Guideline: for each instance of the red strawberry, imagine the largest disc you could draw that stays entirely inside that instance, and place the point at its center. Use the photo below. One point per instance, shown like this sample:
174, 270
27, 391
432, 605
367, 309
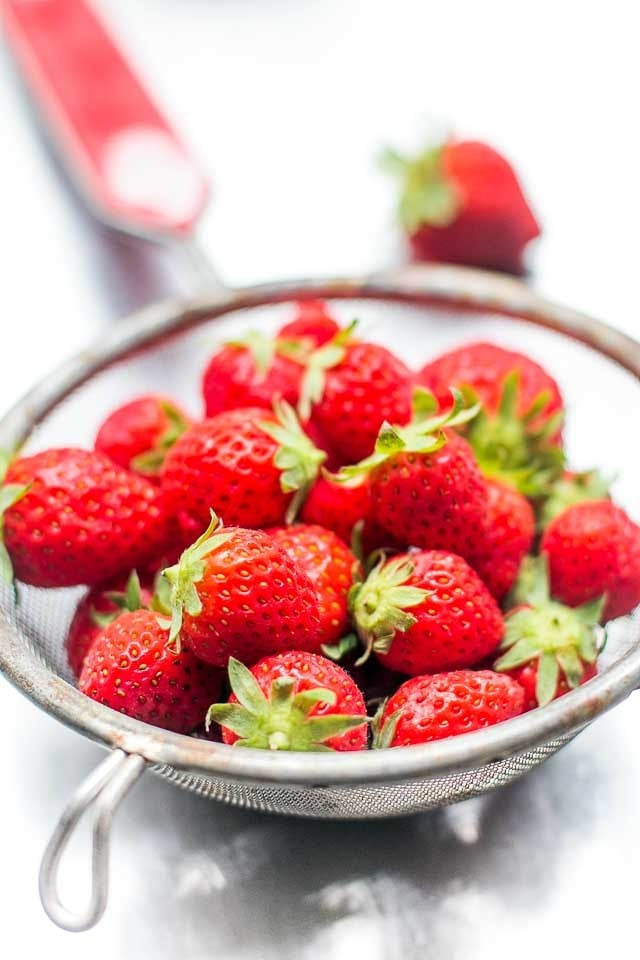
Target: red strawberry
446, 705
340, 507
130, 668
79, 520
252, 372
330, 566
252, 467
426, 488
549, 648
312, 323
568, 490
461, 202
138, 435
426, 611
97, 609
237, 593
350, 389
292, 701
508, 535
594, 549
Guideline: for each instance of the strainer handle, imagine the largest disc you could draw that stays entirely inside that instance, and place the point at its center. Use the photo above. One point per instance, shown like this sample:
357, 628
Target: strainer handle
103, 789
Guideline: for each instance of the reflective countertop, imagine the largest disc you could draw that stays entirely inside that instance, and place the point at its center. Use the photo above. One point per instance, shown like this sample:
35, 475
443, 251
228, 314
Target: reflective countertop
286, 104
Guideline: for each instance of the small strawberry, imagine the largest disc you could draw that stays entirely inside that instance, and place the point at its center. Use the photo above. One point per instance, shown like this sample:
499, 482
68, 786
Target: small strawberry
508, 535
568, 490
593, 548
461, 202
426, 611
426, 488
99, 608
253, 467
548, 648
346, 509
238, 593
313, 323
330, 566
446, 705
131, 668
138, 435
72, 516
292, 701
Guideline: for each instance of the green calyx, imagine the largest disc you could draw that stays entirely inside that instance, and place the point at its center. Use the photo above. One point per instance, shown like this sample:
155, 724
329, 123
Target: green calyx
423, 434
324, 358
568, 491
384, 730
185, 574
427, 196
338, 651
261, 347
128, 599
297, 458
514, 448
10, 494
281, 721
559, 639
379, 606
150, 462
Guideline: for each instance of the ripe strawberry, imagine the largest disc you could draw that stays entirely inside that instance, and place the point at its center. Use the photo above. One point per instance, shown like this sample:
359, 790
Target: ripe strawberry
138, 435
341, 508
99, 608
252, 467
568, 490
550, 648
292, 701
330, 566
237, 593
593, 549
446, 705
312, 323
461, 202
79, 519
349, 389
508, 535
426, 488
426, 611
130, 668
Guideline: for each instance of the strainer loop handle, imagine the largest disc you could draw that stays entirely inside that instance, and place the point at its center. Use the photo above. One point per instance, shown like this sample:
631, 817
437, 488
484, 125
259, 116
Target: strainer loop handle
103, 789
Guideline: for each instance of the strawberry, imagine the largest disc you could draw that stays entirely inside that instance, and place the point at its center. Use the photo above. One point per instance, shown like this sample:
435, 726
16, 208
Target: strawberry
292, 701
252, 466
446, 705
346, 509
548, 648
72, 516
426, 487
593, 548
330, 566
349, 389
97, 609
568, 490
131, 668
237, 593
461, 202
312, 323
138, 435
508, 535
426, 611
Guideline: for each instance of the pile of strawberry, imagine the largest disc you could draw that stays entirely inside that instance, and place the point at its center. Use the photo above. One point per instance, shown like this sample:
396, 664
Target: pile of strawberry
422, 528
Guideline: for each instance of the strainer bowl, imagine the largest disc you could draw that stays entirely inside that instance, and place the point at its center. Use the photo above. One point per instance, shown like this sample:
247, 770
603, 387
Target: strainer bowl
417, 312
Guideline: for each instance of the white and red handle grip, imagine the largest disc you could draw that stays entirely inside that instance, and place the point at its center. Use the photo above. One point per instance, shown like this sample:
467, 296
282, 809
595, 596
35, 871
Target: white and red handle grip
130, 164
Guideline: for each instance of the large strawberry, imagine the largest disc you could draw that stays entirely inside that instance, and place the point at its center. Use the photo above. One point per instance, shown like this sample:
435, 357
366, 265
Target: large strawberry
250, 466
101, 605
312, 324
549, 648
139, 434
593, 549
131, 668
461, 202
426, 611
446, 705
292, 701
238, 593
72, 516
426, 487
508, 534
330, 566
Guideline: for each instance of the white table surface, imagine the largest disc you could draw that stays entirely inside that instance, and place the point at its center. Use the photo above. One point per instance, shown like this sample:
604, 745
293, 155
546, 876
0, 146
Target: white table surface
286, 104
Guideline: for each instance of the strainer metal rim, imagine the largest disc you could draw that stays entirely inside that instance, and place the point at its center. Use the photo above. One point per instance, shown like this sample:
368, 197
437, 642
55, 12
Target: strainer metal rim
447, 285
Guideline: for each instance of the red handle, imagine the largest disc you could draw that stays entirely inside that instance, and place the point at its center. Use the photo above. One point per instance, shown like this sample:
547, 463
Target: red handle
133, 168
